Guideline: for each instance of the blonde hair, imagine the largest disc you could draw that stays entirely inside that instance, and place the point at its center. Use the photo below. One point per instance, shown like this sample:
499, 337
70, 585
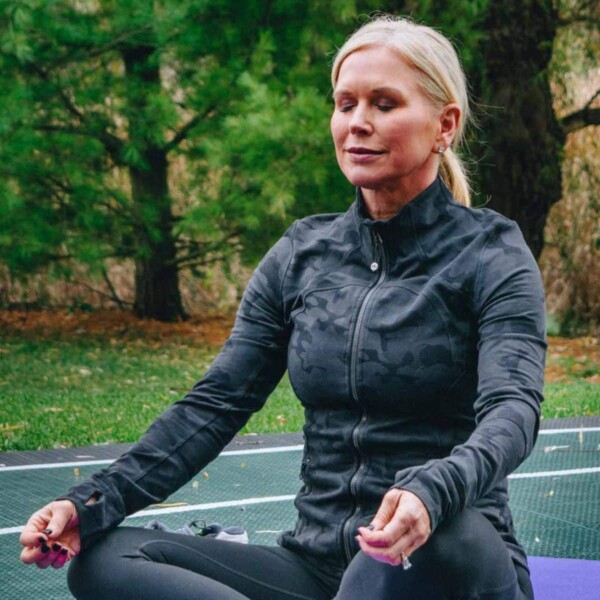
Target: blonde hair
442, 79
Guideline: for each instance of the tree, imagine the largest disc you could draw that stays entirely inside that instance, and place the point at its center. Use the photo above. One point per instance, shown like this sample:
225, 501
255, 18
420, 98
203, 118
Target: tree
177, 132
521, 166
121, 125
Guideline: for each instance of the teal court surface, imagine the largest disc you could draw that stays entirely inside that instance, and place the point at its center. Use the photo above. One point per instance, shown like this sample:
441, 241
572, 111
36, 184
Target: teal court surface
555, 498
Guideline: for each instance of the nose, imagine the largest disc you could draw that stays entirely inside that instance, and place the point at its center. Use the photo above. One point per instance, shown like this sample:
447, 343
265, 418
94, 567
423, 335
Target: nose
360, 123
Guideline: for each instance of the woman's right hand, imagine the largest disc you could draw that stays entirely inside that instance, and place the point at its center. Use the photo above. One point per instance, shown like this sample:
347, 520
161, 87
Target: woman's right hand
51, 536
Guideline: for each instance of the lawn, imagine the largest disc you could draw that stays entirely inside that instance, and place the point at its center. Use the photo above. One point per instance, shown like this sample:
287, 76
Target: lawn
88, 386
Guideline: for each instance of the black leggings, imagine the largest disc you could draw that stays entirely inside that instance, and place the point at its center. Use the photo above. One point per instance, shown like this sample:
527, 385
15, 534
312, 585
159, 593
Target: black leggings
465, 559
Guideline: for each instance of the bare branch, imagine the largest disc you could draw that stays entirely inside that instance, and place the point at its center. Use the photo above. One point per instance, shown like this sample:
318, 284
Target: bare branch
586, 117
91, 51
115, 296
120, 302
198, 252
198, 263
71, 108
591, 100
111, 143
185, 130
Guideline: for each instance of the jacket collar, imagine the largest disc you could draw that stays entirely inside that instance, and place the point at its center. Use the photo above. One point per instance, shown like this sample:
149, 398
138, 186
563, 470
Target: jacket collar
423, 212
423, 209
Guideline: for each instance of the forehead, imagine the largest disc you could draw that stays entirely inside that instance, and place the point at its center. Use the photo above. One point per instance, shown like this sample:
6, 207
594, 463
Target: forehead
376, 67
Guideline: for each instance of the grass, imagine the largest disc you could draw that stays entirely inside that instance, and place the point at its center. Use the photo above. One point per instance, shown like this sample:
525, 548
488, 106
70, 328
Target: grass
76, 392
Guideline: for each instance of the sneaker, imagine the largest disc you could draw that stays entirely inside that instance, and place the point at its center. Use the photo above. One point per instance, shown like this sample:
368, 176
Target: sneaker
235, 533
199, 527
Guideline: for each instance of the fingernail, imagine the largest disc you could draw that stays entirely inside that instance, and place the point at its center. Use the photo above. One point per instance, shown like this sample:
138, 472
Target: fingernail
45, 548
56, 547
64, 551
47, 531
371, 527
42, 540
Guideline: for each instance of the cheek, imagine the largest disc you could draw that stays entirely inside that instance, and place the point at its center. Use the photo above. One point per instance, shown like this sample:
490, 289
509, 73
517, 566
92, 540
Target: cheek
337, 130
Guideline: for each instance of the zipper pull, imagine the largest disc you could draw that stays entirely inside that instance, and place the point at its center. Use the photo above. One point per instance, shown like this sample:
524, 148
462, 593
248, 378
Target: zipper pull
378, 243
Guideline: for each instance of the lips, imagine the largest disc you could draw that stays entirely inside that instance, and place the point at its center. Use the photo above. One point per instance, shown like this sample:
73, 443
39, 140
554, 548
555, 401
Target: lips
359, 150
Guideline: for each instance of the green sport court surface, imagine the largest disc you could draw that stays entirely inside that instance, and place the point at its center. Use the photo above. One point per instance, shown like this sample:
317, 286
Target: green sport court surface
555, 498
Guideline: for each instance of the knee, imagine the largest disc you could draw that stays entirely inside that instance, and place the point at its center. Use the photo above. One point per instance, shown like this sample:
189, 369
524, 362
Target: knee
83, 578
99, 570
465, 547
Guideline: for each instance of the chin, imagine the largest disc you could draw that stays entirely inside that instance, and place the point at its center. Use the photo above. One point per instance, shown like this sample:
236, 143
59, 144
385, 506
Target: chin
364, 180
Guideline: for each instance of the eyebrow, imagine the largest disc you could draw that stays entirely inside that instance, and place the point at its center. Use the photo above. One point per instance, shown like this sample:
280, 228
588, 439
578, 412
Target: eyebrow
380, 91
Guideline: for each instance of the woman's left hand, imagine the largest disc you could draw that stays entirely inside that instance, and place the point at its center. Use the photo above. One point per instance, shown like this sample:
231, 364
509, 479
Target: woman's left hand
400, 526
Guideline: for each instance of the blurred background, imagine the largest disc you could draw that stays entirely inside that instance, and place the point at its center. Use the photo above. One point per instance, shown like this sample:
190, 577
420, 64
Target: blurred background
151, 152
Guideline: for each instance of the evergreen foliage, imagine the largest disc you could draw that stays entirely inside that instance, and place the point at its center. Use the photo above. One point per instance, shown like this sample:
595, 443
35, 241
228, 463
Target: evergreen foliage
177, 132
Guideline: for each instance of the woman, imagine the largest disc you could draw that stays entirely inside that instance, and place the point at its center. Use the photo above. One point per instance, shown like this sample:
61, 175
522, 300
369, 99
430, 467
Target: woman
413, 331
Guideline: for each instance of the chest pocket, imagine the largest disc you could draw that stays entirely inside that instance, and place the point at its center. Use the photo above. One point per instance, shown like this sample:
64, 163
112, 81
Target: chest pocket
413, 349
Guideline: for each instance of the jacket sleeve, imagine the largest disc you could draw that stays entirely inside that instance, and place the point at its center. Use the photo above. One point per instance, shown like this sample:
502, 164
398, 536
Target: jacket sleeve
509, 306
192, 432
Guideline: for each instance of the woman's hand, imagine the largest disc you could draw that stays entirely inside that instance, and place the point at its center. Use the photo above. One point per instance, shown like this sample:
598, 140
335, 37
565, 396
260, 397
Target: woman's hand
400, 526
51, 536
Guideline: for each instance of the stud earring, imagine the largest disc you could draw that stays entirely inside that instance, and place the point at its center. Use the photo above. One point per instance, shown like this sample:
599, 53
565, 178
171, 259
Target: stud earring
441, 150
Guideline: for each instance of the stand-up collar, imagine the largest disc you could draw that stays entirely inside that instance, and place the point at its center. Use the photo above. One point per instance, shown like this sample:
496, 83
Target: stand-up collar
399, 232
423, 210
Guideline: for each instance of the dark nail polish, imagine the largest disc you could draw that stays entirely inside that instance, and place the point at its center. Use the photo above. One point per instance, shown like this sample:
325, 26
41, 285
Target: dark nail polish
47, 531
45, 548
42, 540
64, 551
371, 527
56, 547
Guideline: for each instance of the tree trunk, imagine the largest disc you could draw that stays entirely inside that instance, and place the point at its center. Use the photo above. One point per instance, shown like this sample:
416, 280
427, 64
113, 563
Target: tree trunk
156, 275
521, 168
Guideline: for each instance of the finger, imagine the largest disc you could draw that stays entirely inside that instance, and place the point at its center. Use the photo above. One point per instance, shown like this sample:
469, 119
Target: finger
61, 559
39, 556
44, 562
61, 515
34, 532
392, 553
49, 557
387, 536
380, 554
386, 509
376, 539
31, 555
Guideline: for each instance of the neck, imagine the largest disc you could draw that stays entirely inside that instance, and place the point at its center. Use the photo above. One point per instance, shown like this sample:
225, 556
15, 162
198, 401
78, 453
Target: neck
383, 203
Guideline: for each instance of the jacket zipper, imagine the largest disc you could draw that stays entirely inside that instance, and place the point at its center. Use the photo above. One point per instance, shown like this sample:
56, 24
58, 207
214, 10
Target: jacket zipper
354, 388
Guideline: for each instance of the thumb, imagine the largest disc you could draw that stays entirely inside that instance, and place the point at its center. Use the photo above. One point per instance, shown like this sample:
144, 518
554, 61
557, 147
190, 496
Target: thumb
387, 509
64, 516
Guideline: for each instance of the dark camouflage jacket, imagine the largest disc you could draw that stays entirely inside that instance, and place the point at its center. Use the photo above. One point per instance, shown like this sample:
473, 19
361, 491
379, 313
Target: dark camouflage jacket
416, 345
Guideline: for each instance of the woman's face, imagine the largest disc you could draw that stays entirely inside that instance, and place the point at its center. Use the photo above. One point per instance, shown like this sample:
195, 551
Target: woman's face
385, 130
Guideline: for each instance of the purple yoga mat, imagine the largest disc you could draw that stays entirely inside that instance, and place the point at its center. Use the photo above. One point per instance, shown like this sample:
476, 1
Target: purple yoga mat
565, 578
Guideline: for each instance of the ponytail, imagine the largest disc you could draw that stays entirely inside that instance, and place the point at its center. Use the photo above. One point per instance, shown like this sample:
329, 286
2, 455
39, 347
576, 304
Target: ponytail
454, 176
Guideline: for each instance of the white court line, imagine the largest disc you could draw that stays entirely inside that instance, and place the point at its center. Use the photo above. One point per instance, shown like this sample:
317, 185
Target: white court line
267, 499
555, 473
555, 431
180, 509
85, 463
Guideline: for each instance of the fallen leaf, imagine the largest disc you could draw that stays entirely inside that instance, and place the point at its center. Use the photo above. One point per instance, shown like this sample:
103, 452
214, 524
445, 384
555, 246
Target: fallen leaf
4, 428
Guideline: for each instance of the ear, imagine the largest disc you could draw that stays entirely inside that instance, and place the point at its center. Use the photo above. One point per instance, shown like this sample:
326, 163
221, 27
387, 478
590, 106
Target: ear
449, 120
